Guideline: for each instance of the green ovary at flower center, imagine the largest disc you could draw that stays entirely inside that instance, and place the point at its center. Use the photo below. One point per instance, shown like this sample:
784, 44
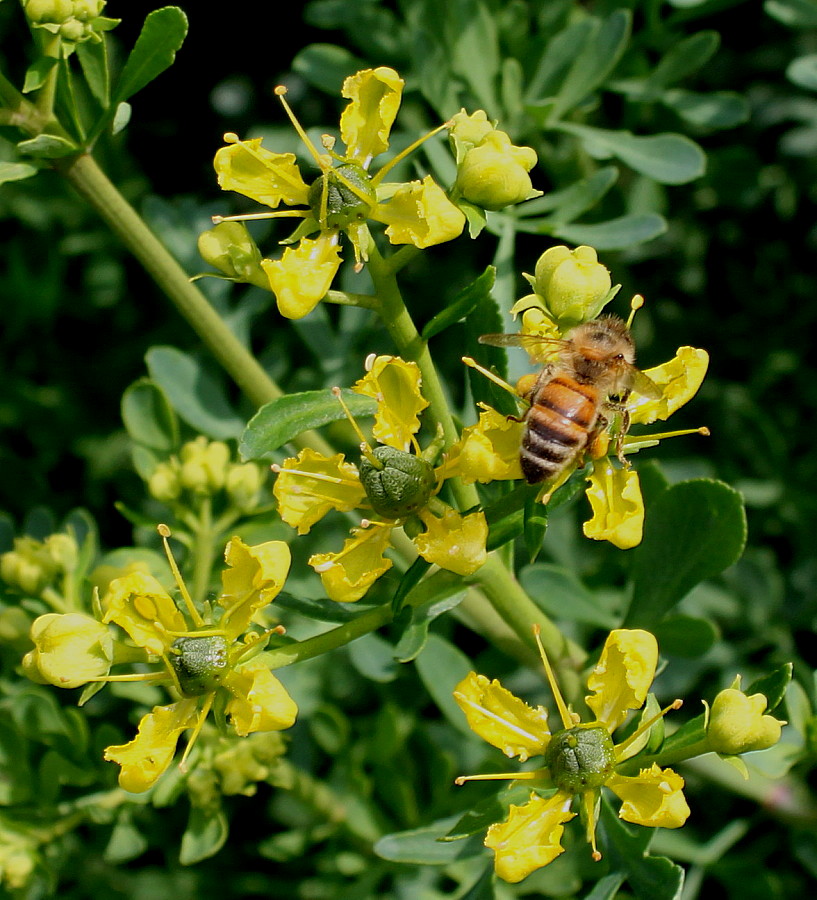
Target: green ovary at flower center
580, 758
342, 204
200, 663
401, 486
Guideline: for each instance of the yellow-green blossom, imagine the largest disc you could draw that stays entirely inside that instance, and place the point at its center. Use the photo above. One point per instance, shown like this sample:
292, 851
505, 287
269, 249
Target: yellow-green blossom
341, 200
201, 654
572, 284
578, 759
390, 482
738, 723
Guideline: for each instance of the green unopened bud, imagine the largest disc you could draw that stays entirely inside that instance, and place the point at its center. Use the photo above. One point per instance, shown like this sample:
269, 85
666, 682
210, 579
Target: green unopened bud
164, 483
343, 205
243, 484
467, 131
69, 649
73, 20
200, 663
204, 465
573, 284
403, 485
494, 174
230, 248
63, 549
28, 567
247, 761
581, 758
737, 723
56, 11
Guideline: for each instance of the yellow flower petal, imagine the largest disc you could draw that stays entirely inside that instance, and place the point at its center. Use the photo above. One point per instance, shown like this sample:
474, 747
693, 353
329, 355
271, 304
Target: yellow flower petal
140, 605
654, 798
623, 675
70, 649
348, 575
421, 214
365, 124
253, 579
304, 500
530, 837
453, 542
269, 178
146, 757
618, 509
487, 451
303, 275
501, 719
395, 385
678, 379
260, 702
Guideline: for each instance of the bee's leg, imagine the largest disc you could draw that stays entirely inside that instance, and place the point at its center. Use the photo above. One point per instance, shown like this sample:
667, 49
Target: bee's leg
619, 407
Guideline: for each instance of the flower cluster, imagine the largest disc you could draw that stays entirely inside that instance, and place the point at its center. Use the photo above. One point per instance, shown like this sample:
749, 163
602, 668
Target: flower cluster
208, 658
395, 484
74, 21
578, 759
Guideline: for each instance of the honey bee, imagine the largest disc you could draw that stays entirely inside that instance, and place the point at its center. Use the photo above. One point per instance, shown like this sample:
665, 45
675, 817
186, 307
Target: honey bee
593, 372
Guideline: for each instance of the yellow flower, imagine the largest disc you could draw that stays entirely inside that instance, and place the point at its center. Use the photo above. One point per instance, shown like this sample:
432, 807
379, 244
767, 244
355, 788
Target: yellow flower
578, 759
573, 284
737, 723
393, 483
618, 509
201, 655
341, 200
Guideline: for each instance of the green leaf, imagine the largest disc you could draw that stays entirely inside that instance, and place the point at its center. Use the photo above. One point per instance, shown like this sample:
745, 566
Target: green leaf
14, 171
325, 66
411, 578
47, 146
281, 420
483, 887
802, 71
475, 51
717, 109
556, 58
38, 72
441, 667
204, 836
535, 525
161, 37
194, 392
685, 636
559, 593
667, 158
423, 847
373, 657
794, 13
323, 610
463, 304
773, 686
93, 57
684, 58
569, 203
149, 418
489, 810
614, 234
695, 529
606, 888
414, 632
596, 60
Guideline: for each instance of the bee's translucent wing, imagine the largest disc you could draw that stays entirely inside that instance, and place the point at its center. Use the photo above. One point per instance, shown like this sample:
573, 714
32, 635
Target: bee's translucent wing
644, 385
537, 346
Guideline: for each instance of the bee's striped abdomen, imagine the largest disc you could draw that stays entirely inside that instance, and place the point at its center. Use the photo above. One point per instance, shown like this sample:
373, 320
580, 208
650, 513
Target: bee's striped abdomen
559, 421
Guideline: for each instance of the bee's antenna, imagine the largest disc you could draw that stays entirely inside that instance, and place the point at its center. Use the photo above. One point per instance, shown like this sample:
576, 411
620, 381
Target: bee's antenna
635, 304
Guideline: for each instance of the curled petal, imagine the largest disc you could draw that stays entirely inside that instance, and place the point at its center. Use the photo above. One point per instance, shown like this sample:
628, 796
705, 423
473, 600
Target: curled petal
530, 837
348, 575
260, 702
146, 757
618, 508
501, 719
303, 275
140, 605
263, 176
453, 542
654, 797
487, 451
678, 380
421, 214
623, 675
395, 385
309, 485
365, 124
253, 579
70, 649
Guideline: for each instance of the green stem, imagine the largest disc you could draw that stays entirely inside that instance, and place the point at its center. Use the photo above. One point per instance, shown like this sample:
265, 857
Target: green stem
203, 550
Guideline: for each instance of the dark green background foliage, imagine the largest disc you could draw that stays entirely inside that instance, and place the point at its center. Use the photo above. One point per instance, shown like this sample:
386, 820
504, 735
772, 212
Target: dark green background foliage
723, 257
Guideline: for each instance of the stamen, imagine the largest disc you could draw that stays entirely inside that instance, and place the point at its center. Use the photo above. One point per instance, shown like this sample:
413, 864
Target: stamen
589, 803
703, 430
404, 153
472, 363
320, 159
492, 715
318, 476
134, 676
164, 531
196, 731
635, 304
250, 217
567, 719
365, 449
645, 726
510, 776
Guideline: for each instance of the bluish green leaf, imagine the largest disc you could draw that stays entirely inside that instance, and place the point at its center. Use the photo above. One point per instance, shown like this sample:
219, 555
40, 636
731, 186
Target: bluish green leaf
38, 72
414, 633
423, 847
556, 58
559, 593
682, 59
325, 66
93, 57
463, 304
194, 392
614, 234
373, 657
14, 171
794, 13
149, 418
569, 203
281, 420
47, 146
323, 610
441, 666
803, 71
685, 636
596, 60
161, 37
204, 836
487, 811
695, 529
126, 841
476, 49
717, 109
535, 525
668, 158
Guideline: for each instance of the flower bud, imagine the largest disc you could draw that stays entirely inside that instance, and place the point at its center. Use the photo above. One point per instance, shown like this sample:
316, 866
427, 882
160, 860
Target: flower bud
572, 283
200, 663
73, 20
494, 174
342, 204
243, 484
580, 758
69, 649
468, 131
229, 248
164, 483
401, 486
28, 567
737, 723
63, 549
204, 465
